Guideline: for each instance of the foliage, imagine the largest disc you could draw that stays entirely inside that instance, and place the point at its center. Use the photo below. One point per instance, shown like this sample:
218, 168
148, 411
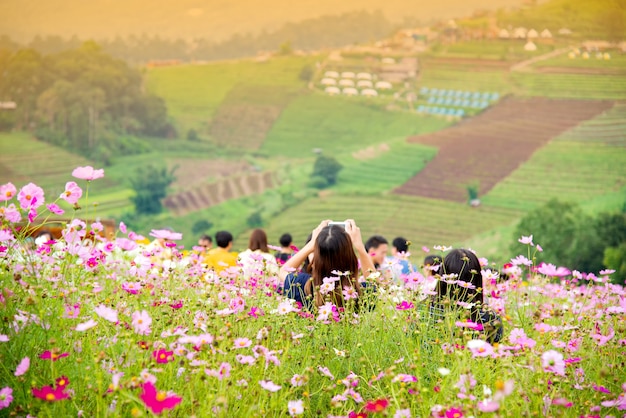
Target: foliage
570, 237
326, 168
615, 259
306, 73
472, 191
114, 316
255, 219
201, 226
192, 135
81, 99
150, 184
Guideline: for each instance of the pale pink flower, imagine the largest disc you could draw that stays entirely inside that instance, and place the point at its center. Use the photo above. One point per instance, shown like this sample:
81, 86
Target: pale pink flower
30, 197
106, 313
87, 173
552, 361
7, 191
521, 260
402, 413
122, 227
141, 322
86, 325
526, 240
518, 337
488, 406
166, 234
295, 407
6, 397
600, 338
10, 213
72, 192
54, 208
269, 385
285, 307
245, 359
480, 348
297, 380
23, 367
222, 373
552, 271
326, 372
242, 343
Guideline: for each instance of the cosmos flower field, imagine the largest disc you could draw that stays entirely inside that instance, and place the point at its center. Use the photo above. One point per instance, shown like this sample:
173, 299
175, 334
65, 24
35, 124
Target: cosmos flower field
96, 327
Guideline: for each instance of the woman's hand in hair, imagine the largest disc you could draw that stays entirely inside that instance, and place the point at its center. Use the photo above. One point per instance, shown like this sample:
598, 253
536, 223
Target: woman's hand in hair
318, 229
367, 266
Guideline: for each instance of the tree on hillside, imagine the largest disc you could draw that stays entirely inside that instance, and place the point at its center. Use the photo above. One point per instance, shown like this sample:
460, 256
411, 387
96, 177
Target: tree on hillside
325, 171
150, 184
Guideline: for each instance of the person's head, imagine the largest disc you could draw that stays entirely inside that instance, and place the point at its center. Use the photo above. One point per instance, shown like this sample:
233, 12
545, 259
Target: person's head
377, 247
285, 240
399, 246
258, 241
430, 261
205, 241
466, 266
333, 251
224, 239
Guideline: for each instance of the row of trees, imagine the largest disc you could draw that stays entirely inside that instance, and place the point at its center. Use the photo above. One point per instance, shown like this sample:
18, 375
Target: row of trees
323, 32
82, 99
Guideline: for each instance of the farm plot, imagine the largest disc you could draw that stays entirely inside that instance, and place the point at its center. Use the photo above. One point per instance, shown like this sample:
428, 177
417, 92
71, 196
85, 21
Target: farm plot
485, 149
336, 124
420, 220
575, 86
582, 164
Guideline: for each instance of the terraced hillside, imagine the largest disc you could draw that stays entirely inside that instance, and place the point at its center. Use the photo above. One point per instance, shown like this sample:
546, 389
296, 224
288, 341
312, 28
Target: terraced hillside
422, 221
207, 195
487, 148
584, 163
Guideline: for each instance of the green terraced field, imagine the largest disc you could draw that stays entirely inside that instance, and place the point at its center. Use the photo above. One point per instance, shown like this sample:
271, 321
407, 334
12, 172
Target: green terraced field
337, 124
423, 221
578, 86
194, 92
459, 79
379, 168
567, 170
616, 62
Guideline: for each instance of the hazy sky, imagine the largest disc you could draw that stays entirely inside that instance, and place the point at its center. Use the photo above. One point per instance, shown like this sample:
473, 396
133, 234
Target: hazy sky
217, 19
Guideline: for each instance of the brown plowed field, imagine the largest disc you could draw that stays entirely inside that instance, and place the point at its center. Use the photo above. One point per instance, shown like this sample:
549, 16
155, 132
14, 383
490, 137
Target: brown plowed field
487, 148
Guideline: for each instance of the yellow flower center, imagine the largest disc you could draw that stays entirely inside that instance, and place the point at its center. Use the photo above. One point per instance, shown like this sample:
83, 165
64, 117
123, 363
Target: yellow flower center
162, 356
61, 382
50, 397
161, 396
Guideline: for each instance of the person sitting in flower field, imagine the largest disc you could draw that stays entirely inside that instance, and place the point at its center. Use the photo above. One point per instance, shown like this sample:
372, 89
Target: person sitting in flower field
221, 257
460, 286
334, 268
286, 249
257, 258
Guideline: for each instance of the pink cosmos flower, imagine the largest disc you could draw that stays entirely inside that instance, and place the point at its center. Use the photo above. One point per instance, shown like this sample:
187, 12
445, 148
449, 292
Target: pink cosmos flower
488, 406
10, 213
132, 288
50, 394
245, 359
297, 380
404, 305
255, 312
166, 234
49, 355
269, 385
453, 413
552, 361
30, 197
23, 367
295, 407
222, 373
106, 313
600, 338
521, 260
242, 343
6, 397
158, 401
87, 173
480, 348
86, 325
526, 240
72, 193
469, 324
54, 208
552, 271
7, 191
141, 322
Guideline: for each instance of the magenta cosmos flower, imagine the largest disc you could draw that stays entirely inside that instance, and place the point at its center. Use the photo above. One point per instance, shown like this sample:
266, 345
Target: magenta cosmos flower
72, 192
87, 173
47, 393
49, 355
158, 401
162, 356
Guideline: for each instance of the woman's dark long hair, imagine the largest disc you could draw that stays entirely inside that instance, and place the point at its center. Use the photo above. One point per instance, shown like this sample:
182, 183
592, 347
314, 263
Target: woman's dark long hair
466, 266
333, 252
